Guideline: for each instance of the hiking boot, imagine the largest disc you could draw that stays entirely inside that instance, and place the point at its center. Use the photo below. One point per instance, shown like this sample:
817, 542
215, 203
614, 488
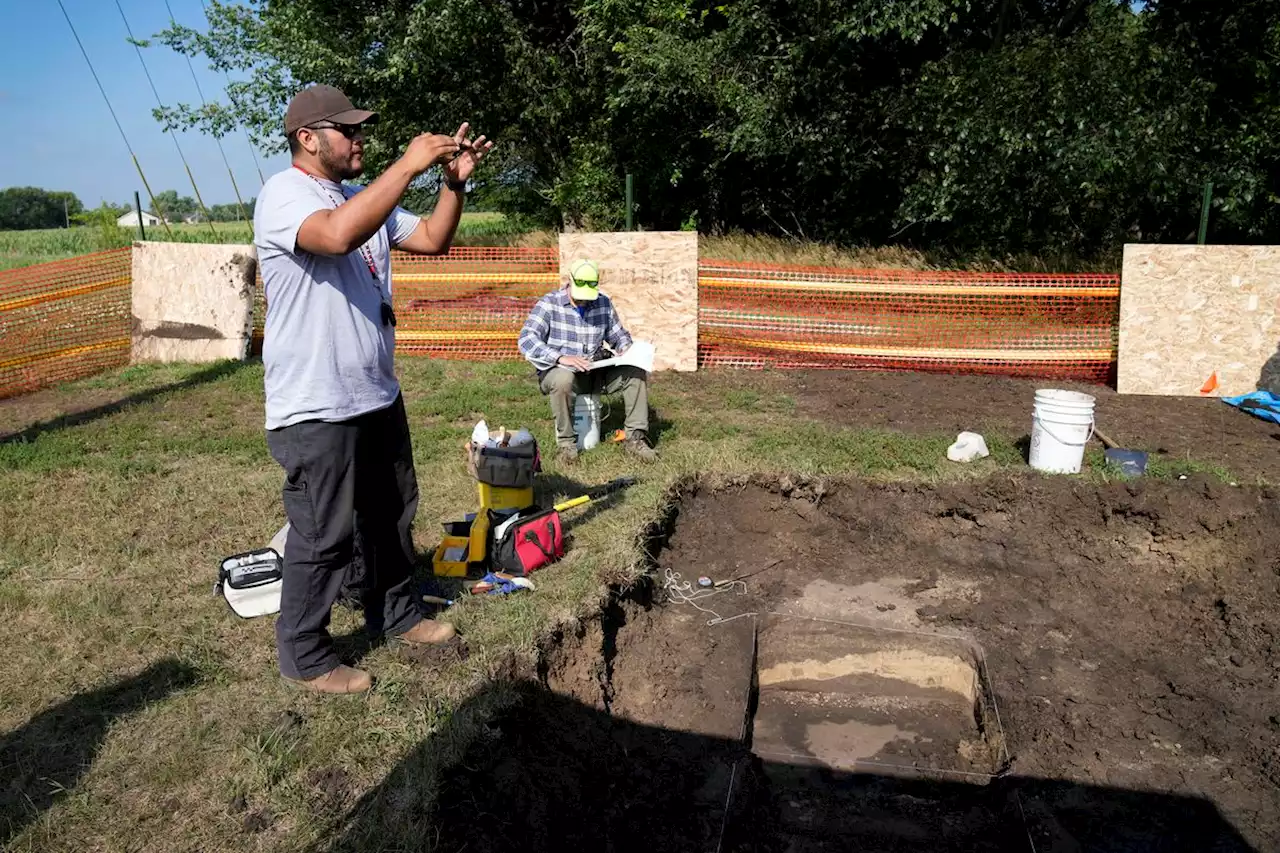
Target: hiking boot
428, 632
344, 679
567, 454
637, 444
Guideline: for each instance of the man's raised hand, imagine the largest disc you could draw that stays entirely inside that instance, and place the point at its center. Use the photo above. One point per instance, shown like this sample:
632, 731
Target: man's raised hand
428, 149
471, 153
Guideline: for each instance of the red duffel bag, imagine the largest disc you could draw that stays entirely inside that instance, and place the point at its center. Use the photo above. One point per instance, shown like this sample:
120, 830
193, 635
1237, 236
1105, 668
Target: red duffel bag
526, 541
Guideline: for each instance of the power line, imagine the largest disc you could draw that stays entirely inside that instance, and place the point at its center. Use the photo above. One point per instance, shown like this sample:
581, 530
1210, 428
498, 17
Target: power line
252, 149
181, 156
114, 118
203, 103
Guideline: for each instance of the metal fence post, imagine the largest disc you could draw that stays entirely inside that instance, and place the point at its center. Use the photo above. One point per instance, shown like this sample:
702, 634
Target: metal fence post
629, 201
137, 208
1204, 211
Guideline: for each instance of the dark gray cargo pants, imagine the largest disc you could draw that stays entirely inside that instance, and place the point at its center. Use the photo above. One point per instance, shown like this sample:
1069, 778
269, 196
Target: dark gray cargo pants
339, 476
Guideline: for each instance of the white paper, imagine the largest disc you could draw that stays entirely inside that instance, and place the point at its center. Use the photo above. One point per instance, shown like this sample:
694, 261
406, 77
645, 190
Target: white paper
640, 354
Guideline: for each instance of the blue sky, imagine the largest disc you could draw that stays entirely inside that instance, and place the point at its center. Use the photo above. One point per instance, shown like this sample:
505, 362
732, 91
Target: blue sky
61, 136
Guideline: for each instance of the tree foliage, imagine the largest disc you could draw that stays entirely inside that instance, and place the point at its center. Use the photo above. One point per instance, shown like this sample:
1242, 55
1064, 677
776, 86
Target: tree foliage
25, 208
990, 124
173, 207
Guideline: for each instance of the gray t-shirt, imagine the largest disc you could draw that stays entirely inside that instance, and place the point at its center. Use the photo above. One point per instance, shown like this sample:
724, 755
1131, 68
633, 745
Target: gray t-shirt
327, 353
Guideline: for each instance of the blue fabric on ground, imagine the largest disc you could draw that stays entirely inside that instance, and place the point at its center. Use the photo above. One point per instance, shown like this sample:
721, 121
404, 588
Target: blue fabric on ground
1261, 404
502, 586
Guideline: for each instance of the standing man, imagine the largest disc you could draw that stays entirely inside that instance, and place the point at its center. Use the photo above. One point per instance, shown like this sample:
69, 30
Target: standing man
335, 415
563, 335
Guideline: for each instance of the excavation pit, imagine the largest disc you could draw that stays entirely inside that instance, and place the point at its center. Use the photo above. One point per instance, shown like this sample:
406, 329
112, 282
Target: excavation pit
1023, 664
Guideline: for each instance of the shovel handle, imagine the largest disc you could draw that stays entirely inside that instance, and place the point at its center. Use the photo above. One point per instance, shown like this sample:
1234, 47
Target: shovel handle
620, 483
1107, 441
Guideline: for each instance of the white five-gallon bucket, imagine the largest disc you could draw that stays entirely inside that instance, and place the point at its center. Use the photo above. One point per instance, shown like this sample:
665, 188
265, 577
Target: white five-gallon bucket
586, 420
1061, 426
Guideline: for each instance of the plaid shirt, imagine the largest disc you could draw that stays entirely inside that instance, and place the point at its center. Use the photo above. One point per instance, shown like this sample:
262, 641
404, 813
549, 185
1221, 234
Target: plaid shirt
555, 328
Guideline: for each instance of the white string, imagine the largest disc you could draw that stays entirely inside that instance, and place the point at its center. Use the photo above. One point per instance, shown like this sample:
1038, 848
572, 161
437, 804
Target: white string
682, 592
1025, 826
728, 798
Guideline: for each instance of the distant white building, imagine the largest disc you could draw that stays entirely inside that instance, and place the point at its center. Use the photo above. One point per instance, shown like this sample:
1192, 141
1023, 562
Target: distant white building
130, 219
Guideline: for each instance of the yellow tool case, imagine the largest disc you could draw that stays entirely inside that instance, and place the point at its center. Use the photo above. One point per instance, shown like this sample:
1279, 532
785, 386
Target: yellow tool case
504, 478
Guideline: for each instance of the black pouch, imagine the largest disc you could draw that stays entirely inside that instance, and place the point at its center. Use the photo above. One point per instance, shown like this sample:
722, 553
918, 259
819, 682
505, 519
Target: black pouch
250, 569
511, 467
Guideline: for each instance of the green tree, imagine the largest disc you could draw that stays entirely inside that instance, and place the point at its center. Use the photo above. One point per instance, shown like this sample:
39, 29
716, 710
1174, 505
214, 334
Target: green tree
998, 124
1235, 49
103, 212
169, 205
1053, 142
231, 212
103, 221
23, 208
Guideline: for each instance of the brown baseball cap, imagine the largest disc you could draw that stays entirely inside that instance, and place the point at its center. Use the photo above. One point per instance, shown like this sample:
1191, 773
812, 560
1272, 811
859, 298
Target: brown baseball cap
322, 103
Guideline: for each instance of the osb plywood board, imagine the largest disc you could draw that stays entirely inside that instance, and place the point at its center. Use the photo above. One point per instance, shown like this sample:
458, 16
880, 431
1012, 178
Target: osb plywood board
1199, 320
192, 301
652, 278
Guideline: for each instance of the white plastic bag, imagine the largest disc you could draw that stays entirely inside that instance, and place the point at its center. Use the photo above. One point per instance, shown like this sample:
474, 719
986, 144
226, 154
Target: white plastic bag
968, 447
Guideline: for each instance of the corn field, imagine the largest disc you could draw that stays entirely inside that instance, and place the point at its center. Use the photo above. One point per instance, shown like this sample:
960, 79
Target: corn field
24, 248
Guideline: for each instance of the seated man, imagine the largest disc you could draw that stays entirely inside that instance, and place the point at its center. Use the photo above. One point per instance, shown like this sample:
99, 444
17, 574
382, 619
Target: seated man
563, 335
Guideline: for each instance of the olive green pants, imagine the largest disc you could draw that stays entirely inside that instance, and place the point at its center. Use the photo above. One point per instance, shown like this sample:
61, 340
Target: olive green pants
560, 385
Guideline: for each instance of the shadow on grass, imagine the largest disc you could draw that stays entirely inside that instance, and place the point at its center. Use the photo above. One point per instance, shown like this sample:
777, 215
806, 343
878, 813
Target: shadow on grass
213, 373
45, 759
551, 773
615, 417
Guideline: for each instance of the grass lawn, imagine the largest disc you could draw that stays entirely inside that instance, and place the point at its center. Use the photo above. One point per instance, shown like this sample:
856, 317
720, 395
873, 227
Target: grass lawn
140, 714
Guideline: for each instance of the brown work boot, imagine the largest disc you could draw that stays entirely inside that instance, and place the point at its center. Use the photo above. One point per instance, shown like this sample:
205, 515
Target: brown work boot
567, 454
428, 631
344, 679
637, 444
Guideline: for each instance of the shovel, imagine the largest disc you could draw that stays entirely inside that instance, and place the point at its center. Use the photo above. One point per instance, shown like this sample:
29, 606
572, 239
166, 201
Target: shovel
598, 492
1132, 462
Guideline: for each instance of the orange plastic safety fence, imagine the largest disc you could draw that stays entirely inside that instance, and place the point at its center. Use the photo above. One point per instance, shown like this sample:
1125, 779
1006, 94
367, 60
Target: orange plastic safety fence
467, 304
63, 320
1049, 326
70, 319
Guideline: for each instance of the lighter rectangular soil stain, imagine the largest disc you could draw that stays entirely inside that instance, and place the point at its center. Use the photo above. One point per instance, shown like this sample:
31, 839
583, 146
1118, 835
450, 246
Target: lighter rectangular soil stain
851, 697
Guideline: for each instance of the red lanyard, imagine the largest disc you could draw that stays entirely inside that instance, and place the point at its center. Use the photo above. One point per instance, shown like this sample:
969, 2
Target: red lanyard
364, 249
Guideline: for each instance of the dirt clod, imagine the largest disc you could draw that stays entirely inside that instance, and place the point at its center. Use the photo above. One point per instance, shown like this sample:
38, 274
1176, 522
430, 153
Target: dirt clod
258, 821
331, 784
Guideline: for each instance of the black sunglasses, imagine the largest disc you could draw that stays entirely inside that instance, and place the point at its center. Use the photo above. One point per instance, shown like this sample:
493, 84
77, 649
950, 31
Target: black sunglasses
347, 130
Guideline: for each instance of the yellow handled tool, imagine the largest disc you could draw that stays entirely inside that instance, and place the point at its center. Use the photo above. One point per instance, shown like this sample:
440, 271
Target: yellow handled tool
620, 483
